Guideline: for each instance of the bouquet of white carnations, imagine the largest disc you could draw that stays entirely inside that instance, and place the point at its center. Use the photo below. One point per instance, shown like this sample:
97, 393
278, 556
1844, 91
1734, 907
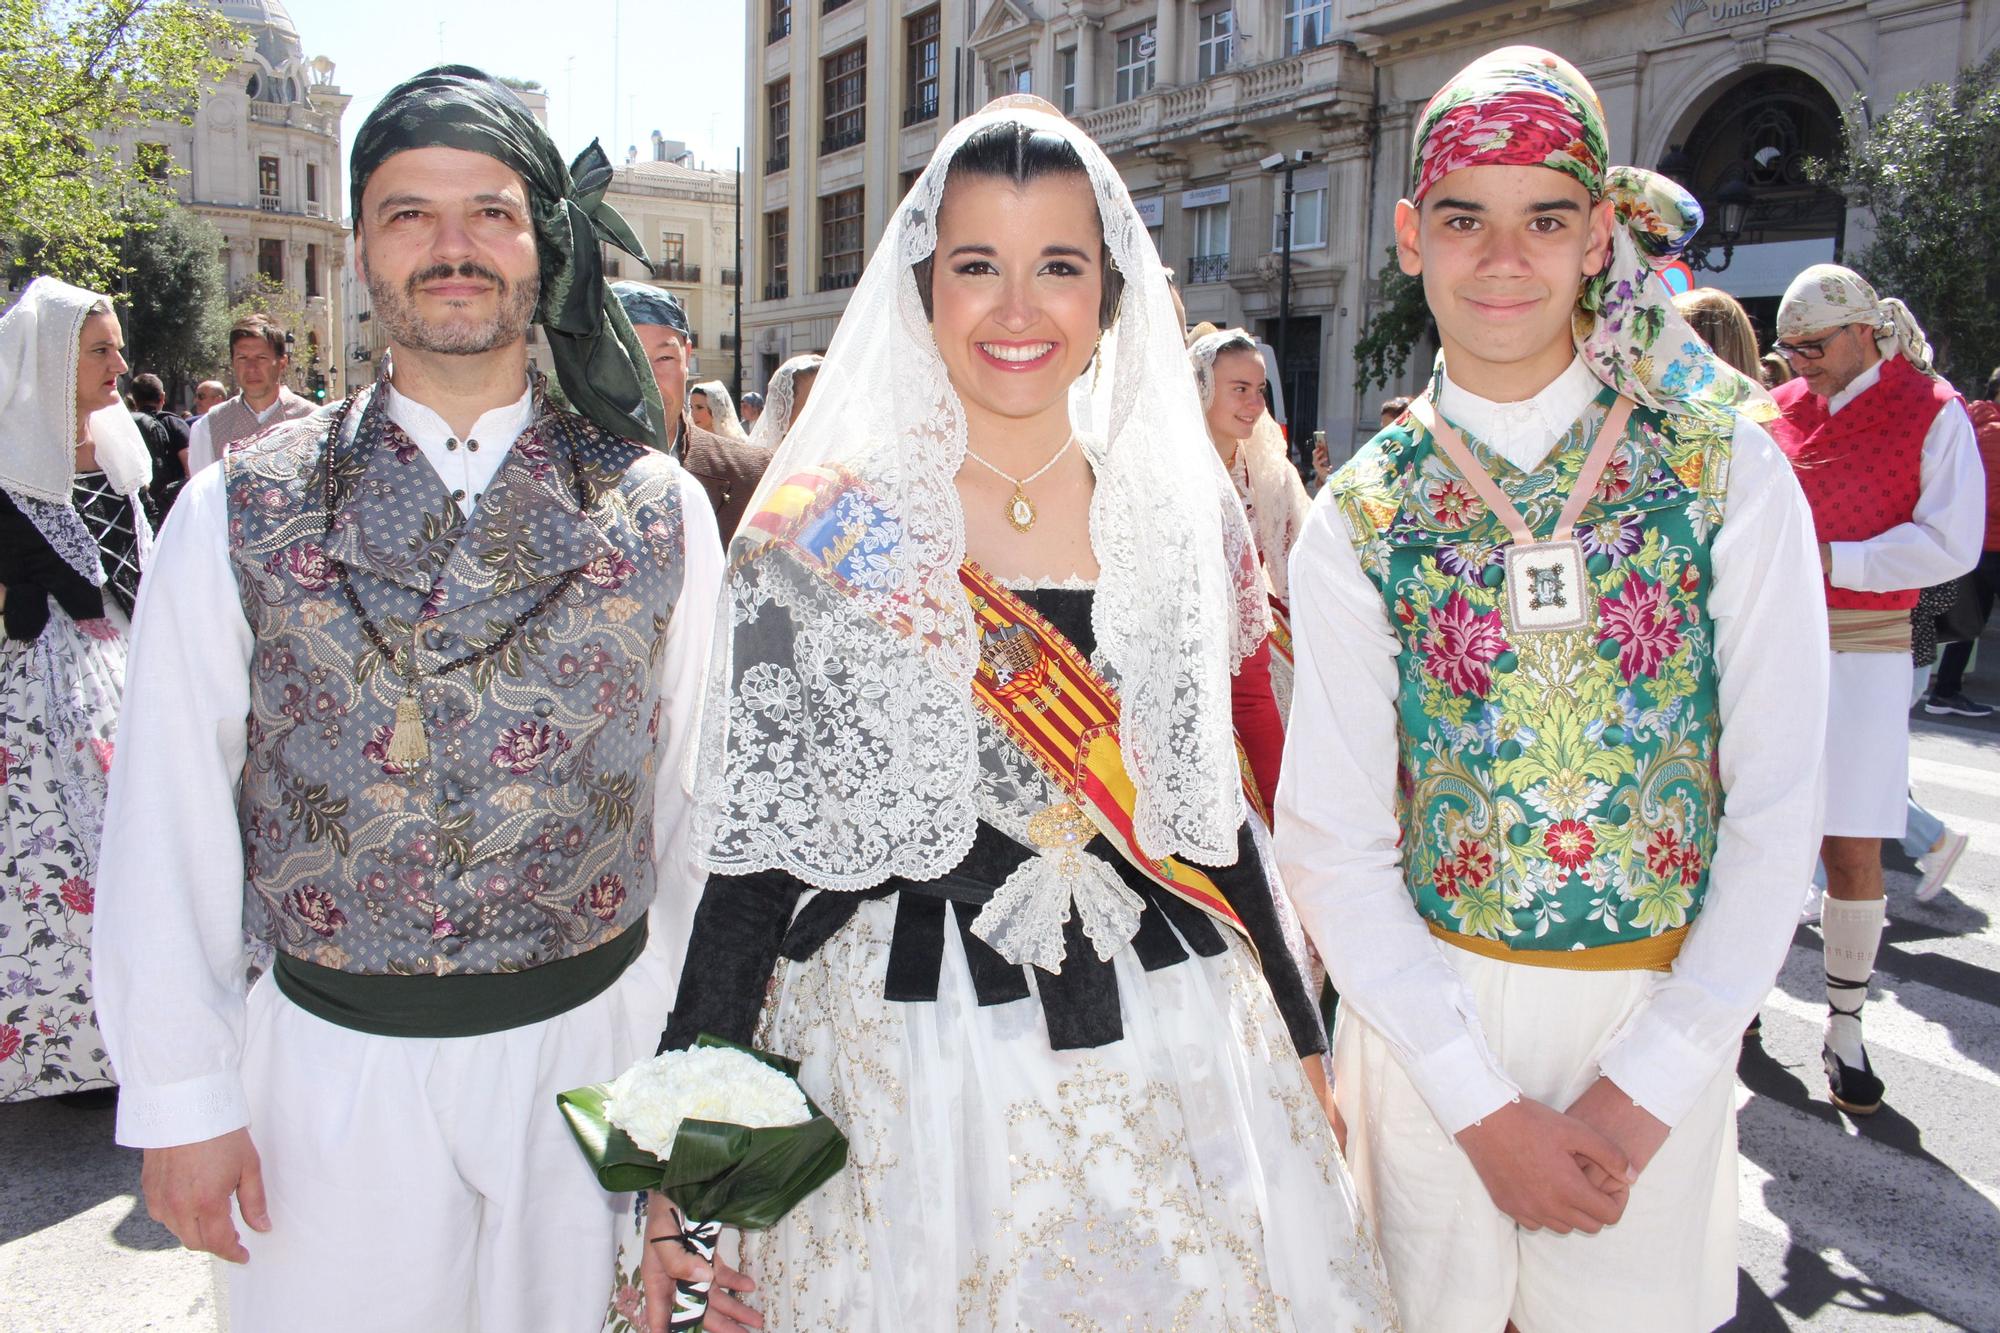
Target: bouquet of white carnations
720, 1129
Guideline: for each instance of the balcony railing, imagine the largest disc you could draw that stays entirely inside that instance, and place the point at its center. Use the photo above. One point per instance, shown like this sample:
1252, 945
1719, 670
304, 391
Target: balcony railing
675, 271
268, 203
781, 27
838, 280
777, 291
779, 160
728, 342
923, 110
728, 278
1209, 268
832, 141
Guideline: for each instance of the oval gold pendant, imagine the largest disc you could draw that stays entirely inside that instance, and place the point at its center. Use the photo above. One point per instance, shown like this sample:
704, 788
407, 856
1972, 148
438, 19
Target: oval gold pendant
1021, 511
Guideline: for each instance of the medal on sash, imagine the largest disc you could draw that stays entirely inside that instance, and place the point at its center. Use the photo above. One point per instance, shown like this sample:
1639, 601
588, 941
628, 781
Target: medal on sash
1546, 589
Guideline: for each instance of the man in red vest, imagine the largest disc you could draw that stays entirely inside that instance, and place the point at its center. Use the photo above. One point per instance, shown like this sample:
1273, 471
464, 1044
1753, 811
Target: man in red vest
1883, 448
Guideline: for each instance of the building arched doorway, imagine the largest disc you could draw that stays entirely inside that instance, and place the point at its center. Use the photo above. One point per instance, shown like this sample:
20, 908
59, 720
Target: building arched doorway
1751, 146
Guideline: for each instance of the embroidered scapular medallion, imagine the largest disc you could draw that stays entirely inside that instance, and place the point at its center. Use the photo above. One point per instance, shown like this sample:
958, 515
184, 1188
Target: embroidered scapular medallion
1547, 589
1547, 586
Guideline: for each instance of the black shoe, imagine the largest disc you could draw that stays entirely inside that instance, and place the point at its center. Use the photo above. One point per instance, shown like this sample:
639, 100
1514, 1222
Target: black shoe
1855, 1091
1955, 703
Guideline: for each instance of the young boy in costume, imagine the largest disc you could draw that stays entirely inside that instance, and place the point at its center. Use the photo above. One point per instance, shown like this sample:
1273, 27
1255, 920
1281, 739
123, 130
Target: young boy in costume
1552, 783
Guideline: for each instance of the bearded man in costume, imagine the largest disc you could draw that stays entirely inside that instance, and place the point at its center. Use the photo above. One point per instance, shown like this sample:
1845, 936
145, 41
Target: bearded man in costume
1546, 806
1890, 465
727, 469
412, 689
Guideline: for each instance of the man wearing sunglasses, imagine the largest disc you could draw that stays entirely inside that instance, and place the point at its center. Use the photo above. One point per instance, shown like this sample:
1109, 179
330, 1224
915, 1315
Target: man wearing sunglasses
1885, 452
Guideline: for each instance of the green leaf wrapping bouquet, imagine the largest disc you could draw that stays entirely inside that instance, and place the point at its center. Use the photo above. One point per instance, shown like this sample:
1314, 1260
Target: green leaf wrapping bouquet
722, 1130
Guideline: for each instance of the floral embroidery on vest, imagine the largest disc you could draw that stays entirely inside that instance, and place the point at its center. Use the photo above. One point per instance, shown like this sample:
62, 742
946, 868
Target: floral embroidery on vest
526, 836
1558, 792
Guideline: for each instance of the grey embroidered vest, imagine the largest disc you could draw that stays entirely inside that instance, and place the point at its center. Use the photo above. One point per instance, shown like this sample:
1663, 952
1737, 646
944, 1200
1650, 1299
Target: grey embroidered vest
526, 837
232, 420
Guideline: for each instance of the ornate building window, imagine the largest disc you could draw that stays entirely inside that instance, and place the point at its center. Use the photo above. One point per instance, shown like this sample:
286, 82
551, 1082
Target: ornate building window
839, 240
1132, 75
1308, 23
1215, 32
267, 184
778, 124
777, 255
920, 35
844, 94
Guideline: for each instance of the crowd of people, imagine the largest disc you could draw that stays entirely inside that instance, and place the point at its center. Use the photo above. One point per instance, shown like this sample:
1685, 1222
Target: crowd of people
991, 720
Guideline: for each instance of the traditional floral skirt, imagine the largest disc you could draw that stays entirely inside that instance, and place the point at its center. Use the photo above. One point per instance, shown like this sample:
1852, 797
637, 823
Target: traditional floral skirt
1183, 1177
58, 712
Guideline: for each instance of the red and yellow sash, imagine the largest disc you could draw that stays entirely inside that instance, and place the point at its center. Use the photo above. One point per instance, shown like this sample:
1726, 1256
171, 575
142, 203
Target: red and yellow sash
1281, 630
1048, 699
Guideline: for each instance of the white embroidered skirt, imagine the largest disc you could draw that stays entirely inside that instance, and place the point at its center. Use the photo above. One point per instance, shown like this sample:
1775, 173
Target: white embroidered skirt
58, 713
1182, 1177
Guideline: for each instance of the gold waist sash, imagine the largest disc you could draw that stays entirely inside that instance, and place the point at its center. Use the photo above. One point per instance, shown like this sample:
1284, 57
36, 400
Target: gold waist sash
1656, 953
1868, 631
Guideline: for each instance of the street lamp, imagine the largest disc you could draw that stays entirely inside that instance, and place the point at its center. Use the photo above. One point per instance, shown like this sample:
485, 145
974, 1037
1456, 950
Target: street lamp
1733, 200
1278, 162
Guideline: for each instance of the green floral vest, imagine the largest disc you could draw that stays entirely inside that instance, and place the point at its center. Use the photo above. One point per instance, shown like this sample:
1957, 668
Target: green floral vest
1556, 792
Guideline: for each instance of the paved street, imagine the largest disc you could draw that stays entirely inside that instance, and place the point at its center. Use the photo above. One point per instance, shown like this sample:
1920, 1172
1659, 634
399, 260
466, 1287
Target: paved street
1890, 1223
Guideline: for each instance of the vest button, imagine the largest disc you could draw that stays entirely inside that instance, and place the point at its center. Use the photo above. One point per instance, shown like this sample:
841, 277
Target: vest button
1607, 648
1612, 736
440, 639
451, 946
1620, 815
1493, 575
472, 445
544, 707
1506, 661
1509, 751
1521, 835
1598, 564
451, 446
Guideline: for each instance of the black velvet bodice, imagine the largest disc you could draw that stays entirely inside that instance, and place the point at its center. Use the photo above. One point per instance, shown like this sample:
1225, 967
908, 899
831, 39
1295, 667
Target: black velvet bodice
746, 923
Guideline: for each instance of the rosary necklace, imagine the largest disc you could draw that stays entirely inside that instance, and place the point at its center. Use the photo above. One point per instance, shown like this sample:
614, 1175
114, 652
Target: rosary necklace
407, 742
1020, 509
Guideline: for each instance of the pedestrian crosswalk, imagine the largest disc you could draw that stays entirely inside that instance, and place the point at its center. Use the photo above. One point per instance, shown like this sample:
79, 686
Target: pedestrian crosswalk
1891, 1222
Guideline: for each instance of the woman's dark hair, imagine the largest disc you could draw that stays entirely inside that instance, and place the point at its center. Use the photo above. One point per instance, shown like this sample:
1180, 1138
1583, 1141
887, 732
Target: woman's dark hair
1019, 153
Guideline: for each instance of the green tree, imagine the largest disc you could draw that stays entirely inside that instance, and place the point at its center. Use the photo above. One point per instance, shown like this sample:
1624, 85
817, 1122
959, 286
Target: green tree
173, 299
1929, 172
70, 69
1398, 320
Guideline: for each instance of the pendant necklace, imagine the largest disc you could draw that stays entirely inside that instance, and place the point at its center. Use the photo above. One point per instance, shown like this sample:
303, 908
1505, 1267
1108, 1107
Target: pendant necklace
1020, 509
408, 745
1547, 587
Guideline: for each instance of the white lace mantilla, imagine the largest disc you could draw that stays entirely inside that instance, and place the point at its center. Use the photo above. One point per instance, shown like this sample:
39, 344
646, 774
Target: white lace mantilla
837, 737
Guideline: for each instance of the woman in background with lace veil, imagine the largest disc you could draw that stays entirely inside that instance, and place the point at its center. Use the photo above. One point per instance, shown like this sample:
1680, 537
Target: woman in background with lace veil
978, 833
73, 526
784, 399
711, 409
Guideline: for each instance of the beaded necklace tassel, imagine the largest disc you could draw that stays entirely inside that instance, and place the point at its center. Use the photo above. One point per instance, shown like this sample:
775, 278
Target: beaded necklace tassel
407, 743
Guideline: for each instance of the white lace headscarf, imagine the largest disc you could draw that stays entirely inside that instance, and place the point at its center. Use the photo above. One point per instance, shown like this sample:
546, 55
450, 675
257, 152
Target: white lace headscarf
781, 398
1827, 296
40, 348
1278, 499
722, 416
845, 752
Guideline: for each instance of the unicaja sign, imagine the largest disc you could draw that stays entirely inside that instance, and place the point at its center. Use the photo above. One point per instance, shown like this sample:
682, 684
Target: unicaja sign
1685, 12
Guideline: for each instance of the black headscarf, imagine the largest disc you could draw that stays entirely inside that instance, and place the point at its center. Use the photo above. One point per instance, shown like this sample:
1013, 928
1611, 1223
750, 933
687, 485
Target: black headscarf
599, 363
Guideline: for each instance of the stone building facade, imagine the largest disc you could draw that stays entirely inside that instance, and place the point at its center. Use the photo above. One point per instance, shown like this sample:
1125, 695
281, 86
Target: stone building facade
1193, 98
262, 162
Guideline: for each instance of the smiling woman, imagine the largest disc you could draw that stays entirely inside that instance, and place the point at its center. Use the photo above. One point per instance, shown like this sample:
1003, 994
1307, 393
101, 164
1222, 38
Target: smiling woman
998, 553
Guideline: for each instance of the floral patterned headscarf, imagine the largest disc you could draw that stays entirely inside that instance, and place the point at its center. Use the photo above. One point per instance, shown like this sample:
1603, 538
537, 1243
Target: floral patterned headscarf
1827, 296
1523, 106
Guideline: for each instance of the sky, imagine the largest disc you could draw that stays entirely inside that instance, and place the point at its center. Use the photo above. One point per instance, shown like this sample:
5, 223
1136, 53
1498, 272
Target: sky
676, 66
